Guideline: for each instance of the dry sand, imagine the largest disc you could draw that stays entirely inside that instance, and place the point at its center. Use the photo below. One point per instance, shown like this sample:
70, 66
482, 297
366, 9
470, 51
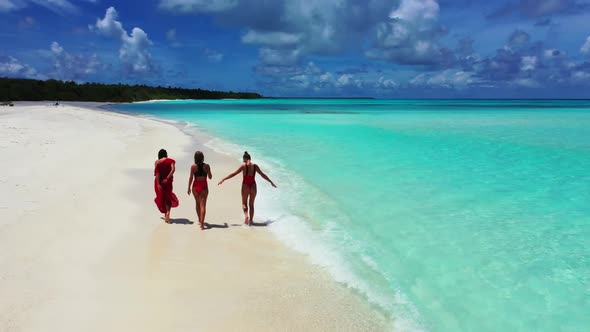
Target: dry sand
83, 247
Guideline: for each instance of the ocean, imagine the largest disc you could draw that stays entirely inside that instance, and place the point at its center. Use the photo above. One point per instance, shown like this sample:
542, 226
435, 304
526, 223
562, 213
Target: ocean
449, 215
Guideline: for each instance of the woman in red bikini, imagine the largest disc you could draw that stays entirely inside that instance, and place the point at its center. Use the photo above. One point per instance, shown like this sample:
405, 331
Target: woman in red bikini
249, 170
200, 171
164, 175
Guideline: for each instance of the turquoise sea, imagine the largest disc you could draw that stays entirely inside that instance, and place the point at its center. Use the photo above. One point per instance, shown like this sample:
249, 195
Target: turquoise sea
449, 215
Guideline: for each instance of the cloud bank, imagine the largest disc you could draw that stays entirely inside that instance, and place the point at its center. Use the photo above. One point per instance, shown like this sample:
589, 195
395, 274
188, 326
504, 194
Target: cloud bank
134, 55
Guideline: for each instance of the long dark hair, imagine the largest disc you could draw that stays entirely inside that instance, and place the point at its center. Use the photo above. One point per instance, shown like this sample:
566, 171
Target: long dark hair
162, 154
247, 156
199, 158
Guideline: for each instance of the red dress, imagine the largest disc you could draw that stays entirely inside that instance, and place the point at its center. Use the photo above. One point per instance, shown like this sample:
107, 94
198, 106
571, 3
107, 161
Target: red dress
165, 196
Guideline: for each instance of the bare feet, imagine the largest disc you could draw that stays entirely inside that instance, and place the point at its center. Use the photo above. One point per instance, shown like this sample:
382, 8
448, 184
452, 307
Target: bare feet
247, 221
202, 225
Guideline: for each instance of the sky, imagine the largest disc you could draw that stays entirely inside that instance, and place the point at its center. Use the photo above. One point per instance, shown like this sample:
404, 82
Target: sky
307, 48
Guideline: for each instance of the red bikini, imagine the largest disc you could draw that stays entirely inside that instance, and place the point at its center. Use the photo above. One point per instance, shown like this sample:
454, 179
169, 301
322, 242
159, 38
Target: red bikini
199, 186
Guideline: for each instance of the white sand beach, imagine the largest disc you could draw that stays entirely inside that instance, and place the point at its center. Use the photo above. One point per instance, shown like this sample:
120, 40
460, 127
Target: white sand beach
83, 247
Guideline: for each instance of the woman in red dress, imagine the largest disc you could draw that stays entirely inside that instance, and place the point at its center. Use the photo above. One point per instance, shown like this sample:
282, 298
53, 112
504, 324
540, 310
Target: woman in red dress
248, 170
199, 173
164, 175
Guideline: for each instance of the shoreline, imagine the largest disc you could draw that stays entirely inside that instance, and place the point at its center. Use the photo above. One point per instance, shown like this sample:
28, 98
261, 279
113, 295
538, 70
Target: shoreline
136, 271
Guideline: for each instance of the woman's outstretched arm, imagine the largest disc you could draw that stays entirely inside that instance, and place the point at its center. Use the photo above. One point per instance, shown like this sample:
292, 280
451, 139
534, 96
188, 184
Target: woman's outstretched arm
264, 175
232, 174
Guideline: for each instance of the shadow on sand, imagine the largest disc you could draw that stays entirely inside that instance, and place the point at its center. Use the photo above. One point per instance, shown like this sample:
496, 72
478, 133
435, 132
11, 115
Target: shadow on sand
257, 224
185, 221
262, 224
180, 221
211, 226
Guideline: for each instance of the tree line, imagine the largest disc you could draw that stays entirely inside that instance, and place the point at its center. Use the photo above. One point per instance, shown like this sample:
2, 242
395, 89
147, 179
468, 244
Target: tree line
13, 89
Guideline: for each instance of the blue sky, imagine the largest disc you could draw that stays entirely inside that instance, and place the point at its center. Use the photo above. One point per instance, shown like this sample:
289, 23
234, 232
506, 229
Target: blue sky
378, 48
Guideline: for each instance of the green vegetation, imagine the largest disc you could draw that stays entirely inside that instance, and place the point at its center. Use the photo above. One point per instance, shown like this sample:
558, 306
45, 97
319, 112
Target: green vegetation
34, 90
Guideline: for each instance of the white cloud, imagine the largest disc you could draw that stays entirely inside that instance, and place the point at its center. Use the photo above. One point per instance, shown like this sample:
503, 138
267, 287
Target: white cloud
320, 24
580, 76
585, 49
302, 27
56, 49
311, 78
275, 38
392, 35
57, 6
411, 35
109, 26
445, 79
348, 80
416, 10
279, 57
326, 78
202, 6
528, 63
301, 81
65, 66
133, 53
73, 66
7, 5
423, 47
344, 79
384, 83
11, 67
